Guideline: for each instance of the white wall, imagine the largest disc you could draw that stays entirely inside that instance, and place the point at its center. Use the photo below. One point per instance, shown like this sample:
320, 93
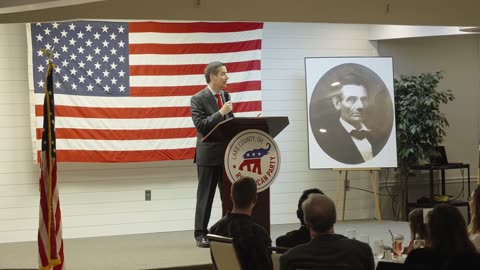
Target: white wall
108, 199
459, 57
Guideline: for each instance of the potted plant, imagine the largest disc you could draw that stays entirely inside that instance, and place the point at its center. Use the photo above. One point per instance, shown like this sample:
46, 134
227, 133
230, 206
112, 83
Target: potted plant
420, 123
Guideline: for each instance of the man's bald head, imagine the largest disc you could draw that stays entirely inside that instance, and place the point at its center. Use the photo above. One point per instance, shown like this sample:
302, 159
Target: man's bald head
319, 213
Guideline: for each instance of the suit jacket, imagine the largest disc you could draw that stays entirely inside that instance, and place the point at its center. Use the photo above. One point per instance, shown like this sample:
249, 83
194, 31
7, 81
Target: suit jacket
339, 145
251, 240
331, 249
294, 238
205, 116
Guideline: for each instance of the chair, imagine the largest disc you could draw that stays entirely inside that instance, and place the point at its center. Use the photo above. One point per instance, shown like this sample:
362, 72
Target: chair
276, 253
224, 255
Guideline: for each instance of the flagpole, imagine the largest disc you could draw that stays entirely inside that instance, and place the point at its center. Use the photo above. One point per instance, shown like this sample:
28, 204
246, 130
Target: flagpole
52, 256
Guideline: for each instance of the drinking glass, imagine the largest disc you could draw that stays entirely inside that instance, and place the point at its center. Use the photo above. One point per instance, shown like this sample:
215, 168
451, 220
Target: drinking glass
398, 244
378, 249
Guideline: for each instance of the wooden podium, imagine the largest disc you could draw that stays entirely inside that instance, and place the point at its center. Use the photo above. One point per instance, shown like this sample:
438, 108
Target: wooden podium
228, 129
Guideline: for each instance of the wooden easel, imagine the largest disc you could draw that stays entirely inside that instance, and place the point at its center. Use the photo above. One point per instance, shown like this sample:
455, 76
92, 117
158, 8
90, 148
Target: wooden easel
374, 187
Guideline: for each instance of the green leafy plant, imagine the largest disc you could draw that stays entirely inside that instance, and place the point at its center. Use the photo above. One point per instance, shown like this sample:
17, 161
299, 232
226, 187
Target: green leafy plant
420, 123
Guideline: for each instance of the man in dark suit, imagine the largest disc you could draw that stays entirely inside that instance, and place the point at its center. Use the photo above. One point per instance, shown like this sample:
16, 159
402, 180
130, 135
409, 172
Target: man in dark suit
302, 235
209, 107
326, 249
347, 139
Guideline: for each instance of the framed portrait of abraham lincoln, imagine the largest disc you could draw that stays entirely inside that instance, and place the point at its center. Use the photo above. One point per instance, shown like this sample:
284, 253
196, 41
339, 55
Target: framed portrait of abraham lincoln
350, 112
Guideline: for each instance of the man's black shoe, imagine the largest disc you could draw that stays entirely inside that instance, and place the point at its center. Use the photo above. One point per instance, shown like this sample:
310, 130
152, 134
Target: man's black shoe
202, 242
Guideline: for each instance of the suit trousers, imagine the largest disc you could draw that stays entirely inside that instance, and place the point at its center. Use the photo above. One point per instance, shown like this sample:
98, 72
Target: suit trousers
208, 178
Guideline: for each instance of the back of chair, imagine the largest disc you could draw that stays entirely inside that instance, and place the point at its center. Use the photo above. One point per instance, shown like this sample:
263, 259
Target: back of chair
224, 255
276, 253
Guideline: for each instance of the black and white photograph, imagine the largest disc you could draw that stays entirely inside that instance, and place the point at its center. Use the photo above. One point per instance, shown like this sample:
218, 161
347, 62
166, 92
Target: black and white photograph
350, 112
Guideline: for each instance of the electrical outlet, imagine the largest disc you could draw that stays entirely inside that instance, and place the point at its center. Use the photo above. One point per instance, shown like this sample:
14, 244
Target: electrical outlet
197, 3
148, 195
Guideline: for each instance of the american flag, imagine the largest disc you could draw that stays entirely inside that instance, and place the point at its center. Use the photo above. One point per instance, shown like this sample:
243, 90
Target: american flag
123, 89
50, 241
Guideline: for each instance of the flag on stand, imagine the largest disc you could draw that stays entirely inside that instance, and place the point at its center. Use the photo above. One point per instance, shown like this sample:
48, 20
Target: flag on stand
123, 89
50, 241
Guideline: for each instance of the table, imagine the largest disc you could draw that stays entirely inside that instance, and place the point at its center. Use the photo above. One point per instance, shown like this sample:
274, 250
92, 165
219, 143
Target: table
431, 202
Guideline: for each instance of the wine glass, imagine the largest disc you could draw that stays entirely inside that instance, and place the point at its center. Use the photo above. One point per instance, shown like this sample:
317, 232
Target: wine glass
378, 249
398, 244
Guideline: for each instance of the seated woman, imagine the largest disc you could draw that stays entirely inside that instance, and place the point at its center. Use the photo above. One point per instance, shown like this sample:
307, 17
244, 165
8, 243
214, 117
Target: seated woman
474, 226
418, 229
447, 239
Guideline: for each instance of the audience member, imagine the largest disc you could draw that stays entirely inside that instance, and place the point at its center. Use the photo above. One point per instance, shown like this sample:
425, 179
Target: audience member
447, 239
302, 235
251, 241
326, 248
418, 229
474, 226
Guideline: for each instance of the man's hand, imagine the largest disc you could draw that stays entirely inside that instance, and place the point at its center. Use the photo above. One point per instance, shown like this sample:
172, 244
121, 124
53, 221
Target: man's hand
226, 108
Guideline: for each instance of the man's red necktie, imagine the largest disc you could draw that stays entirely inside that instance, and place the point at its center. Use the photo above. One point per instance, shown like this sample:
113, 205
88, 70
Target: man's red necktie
219, 101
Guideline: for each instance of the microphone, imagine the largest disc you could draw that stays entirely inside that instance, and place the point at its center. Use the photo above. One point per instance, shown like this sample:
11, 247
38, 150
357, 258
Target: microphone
226, 97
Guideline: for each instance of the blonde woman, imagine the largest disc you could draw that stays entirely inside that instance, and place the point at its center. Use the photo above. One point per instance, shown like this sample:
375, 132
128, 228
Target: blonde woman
474, 226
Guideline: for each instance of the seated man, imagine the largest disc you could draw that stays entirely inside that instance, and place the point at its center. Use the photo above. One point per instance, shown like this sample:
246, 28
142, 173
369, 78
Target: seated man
251, 240
302, 235
326, 248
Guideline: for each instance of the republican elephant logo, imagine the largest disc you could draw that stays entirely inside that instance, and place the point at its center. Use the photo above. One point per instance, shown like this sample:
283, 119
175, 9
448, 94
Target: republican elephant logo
254, 158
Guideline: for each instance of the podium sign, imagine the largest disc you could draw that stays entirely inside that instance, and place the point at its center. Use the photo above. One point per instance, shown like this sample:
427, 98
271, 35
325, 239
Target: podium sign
252, 153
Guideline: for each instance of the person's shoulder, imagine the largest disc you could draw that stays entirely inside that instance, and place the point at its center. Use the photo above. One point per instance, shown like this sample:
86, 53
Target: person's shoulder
420, 255
219, 224
260, 229
353, 245
200, 93
293, 238
300, 249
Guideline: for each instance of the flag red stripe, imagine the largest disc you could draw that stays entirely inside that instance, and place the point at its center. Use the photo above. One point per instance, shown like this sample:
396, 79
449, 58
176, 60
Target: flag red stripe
101, 134
195, 47
43, 194
194, 69
135, 113
189, 90
206, 27
124, 156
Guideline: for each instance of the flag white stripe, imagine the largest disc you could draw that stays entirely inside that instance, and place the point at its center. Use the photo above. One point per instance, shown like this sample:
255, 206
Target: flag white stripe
138, 102
123, 145
189, 59
192, 38
128, 124
151, 80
